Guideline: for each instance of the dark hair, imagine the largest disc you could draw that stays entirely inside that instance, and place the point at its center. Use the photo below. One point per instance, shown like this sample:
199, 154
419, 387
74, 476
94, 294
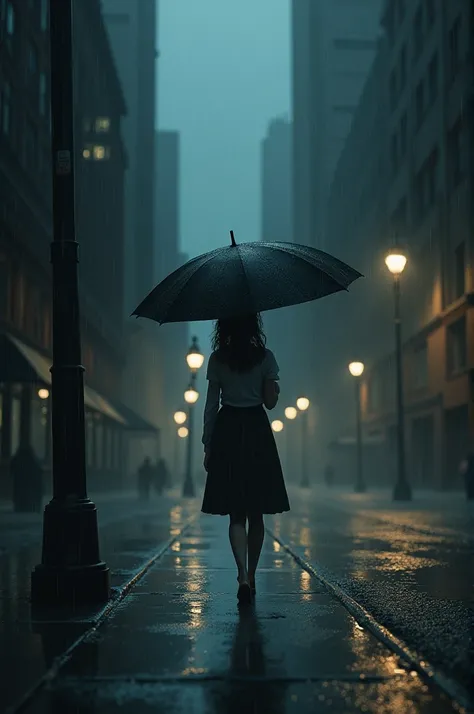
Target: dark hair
239, 342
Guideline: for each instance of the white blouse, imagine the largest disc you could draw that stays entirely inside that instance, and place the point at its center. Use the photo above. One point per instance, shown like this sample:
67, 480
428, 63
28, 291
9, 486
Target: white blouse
235, 389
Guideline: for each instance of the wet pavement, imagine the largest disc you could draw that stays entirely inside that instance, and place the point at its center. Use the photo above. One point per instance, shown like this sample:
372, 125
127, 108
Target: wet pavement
176, 641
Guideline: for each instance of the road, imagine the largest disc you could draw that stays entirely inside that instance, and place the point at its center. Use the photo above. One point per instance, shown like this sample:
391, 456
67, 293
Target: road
356, 598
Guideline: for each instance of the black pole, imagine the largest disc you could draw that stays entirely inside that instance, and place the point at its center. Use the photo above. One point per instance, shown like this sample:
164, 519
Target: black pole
71, 571
304, 451
188, 486
402, 490
360, 483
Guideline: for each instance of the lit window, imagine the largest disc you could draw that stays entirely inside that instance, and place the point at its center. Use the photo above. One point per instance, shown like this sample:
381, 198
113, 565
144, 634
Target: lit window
99, 153
86, 153
102, 125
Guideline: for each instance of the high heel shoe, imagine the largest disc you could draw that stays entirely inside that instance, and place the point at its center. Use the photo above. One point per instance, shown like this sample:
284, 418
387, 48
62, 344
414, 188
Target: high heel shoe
244, 594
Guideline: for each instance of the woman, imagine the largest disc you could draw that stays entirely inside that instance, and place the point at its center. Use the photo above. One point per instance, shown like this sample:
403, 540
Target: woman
244, 476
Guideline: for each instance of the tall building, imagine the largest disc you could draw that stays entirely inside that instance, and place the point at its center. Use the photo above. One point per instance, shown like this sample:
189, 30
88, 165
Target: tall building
333, 49
422, 199
276, 182
132, 30
175, 337
26, 233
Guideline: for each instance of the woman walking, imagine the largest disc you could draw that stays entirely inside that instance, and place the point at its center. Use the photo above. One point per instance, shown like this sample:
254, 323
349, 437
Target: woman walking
244, 476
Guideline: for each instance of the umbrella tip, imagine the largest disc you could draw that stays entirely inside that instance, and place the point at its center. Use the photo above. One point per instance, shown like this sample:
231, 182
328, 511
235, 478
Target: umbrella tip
232, 238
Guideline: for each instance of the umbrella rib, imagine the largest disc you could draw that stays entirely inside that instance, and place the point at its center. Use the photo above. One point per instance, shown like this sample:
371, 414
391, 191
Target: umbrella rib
306, 259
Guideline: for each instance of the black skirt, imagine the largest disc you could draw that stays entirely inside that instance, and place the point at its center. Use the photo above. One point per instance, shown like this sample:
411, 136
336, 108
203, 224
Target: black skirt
244, 472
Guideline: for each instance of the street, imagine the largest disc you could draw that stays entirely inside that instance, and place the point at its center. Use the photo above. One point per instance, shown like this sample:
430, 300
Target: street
173, 639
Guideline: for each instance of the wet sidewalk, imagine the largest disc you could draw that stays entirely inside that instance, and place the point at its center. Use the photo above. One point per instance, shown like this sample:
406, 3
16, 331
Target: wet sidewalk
178, 643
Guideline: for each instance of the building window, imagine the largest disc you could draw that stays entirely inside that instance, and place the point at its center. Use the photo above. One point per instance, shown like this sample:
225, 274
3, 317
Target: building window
433, 78
456, 345
102, 125
420, 367
454, 49
44, 15
6, 109
455, 154
42, 94
403, 134
460, 270
418, 33
403, 67
420, 103
10, 20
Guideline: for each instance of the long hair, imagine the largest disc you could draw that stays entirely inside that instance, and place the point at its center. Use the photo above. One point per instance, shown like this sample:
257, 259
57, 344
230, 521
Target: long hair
239, 342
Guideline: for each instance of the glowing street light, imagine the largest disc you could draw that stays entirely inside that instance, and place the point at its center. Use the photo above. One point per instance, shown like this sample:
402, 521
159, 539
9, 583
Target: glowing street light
291, 413
43, 393
180, 417
183, 432
191, 395
194, 358
357, 370
302, 403
396, 261
277, 425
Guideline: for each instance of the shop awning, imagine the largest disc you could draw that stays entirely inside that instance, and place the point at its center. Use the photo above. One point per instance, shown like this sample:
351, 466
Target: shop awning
134, 421
23, 364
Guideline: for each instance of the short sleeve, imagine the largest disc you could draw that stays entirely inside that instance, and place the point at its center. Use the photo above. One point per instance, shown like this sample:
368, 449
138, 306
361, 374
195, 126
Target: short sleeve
212, 369
271, 369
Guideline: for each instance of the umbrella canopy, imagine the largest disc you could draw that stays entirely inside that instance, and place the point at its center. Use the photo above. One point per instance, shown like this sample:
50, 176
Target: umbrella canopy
245, 279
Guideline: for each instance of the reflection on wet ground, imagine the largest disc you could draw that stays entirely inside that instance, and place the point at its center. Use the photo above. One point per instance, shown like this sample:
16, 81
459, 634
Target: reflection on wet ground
410, 566
179, 643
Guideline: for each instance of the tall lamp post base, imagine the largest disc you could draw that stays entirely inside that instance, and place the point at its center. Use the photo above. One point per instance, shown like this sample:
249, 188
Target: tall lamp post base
188, 489
71, 572
402, 491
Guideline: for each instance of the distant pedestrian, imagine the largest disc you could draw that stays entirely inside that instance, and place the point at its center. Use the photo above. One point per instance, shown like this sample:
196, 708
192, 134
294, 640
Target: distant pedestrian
466, 468
329, 475
161, 476
244, 475
27, 475
145, 476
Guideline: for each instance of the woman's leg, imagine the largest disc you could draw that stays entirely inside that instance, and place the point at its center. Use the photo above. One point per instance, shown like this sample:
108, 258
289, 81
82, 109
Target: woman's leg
255, 537
238, 542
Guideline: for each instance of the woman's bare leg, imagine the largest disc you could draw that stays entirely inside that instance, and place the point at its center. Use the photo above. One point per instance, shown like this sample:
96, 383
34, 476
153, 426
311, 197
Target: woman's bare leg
256, 534
238, 542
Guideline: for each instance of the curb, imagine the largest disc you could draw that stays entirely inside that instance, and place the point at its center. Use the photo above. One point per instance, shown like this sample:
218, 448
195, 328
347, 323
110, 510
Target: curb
459, 697
117, 596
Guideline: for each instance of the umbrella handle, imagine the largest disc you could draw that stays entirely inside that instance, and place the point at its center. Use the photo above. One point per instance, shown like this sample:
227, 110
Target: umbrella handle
234, 244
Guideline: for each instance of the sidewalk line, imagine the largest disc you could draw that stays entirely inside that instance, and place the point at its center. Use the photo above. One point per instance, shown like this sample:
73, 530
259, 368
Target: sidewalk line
117, 596
456, 693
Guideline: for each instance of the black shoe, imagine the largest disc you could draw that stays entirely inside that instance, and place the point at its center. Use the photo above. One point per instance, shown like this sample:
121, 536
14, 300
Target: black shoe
244, 594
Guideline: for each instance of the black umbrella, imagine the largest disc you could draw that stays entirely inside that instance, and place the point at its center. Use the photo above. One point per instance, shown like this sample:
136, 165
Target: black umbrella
245, 279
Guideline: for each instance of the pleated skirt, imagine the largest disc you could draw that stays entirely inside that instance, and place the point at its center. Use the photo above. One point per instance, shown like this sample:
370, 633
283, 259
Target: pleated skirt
244, 471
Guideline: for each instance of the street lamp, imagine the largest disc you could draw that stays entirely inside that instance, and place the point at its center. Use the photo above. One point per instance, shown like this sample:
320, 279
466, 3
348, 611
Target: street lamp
396, 262
277, 425
357, 369
71, 571
183, 432
291, 413
180, 417
43, 393
303, 405
195, 360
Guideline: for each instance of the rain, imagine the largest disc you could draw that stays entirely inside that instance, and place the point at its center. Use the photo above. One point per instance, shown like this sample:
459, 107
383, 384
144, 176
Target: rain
236, 356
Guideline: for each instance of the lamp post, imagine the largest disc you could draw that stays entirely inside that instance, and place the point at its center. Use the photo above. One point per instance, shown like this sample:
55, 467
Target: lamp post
179, 418
396, 262
357, 369
71, 570
290, 413
303, 405
195, 360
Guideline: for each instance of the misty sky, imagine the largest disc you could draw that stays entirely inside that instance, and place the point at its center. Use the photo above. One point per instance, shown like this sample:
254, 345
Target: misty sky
224, 71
